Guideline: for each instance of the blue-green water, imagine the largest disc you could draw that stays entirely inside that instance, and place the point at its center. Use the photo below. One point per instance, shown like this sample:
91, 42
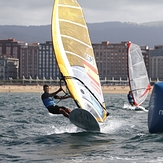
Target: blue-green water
30, 134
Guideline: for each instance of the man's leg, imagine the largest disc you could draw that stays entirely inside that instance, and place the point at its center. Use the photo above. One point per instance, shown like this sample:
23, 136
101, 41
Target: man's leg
68, 110
64, 112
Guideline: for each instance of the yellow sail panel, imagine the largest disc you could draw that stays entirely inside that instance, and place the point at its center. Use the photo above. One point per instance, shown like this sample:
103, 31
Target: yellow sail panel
71, 14
75, 60
79, 49
69, 2
72, 31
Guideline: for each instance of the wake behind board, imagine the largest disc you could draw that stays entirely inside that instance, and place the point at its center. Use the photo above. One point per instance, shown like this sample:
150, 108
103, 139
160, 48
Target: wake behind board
84, 119
141, 108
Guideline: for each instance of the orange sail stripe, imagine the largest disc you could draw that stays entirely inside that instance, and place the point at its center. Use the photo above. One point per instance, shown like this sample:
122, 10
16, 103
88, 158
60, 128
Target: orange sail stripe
91, 67
147, 90
95, 87
92, 73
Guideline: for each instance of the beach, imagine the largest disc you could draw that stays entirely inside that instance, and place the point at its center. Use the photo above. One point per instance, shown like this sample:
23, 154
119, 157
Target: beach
39, 89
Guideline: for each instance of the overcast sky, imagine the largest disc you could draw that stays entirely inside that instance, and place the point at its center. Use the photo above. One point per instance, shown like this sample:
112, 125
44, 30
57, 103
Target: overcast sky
38, 12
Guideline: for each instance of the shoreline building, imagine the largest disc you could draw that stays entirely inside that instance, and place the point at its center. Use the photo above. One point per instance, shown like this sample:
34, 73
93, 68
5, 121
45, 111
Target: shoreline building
11, 48
29, 61
156, 63
47, 67
111, 60
145, 52
9, 68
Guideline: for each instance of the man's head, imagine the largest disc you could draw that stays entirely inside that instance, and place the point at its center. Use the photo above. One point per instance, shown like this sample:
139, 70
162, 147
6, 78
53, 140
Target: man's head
46, 88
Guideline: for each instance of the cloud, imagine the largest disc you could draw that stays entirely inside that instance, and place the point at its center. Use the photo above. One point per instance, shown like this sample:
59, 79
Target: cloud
38, 12
21, 12
122, 10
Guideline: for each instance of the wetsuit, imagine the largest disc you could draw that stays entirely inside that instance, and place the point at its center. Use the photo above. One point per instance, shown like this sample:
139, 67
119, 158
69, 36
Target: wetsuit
50, 104
130, 98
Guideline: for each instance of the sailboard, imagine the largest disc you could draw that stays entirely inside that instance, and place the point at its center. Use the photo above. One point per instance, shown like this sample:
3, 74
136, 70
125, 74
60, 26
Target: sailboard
155, 113
137, 74
84, 119
76, 60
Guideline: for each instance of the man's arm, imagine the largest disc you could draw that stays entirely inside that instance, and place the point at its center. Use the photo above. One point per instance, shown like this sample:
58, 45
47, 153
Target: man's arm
62, 97
65, 97
55, 93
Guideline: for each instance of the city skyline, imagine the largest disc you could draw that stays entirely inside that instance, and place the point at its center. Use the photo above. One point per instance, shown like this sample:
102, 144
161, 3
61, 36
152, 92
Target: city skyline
35, 12
36, 60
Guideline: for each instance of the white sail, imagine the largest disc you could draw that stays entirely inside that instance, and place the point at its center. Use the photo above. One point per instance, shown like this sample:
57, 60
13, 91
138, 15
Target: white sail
137, 74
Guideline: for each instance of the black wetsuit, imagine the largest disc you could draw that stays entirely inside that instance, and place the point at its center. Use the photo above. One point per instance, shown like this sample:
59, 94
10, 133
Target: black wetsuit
130, 99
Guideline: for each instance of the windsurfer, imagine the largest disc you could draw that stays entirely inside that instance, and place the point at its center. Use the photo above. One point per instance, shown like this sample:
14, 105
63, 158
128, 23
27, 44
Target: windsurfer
48, 101
130, 98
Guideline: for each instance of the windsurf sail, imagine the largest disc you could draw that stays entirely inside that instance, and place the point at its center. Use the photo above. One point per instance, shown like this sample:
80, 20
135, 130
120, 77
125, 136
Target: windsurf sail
75, 57
137, 74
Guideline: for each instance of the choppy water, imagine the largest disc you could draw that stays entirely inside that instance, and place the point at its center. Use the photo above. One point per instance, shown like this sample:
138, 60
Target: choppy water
29, 134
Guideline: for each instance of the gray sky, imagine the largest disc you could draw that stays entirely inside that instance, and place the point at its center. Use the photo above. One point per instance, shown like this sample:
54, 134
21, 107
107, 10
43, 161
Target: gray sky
38, 12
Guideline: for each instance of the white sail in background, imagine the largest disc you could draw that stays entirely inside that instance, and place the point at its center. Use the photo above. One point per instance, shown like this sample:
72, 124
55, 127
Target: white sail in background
137, 74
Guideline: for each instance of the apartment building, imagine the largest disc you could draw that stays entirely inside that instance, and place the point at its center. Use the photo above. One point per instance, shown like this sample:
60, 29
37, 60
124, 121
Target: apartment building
111, 60
145, 52
10, 47
29, 61
47, 67
35, 60
8, 68
156, 63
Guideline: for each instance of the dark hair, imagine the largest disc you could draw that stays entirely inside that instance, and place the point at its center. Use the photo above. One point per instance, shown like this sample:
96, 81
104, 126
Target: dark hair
45, 86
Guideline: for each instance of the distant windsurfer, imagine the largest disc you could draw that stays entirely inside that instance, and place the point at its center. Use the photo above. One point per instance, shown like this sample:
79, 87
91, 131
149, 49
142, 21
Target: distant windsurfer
48, 101
130, 98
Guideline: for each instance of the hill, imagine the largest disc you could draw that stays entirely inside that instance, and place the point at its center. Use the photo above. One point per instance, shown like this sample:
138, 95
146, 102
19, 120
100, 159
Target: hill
150, 33
27, 34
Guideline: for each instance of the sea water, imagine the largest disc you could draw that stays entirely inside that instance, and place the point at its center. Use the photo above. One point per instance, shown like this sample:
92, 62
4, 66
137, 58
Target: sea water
29, 134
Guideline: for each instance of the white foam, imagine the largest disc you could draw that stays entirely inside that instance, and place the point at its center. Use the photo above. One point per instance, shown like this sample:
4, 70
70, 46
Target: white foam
128, 106
111, 126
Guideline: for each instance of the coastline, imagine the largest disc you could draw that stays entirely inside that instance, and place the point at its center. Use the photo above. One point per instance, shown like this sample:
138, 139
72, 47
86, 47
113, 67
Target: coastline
39, 89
